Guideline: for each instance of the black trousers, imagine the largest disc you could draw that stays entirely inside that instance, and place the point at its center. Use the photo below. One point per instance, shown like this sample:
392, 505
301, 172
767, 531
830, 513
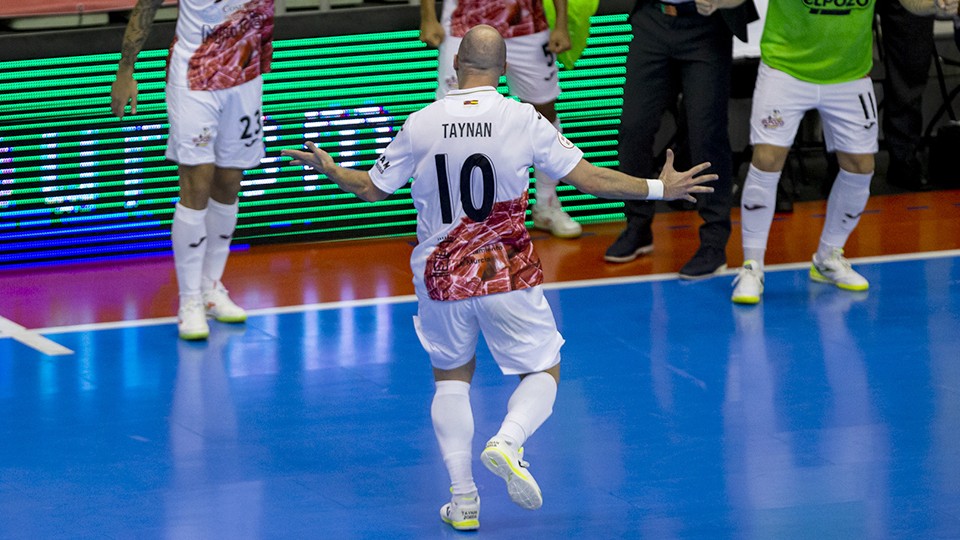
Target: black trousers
908, 47
689, 55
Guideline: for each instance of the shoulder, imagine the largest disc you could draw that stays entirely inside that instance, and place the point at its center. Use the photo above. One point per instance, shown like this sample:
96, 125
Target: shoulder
422, 113
520, 108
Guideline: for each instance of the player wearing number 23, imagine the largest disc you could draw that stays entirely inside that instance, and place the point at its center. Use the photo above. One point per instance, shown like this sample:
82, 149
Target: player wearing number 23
214, 102
475, 269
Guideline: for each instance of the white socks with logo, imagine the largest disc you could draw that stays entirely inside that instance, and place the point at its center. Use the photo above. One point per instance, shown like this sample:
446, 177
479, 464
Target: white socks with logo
529, 407
757, 206
453, 426
221, 221
848, 198
188, 235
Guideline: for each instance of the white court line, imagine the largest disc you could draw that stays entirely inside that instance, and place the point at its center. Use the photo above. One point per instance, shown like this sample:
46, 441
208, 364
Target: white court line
549, 286
250, 312
31, 339
768, 268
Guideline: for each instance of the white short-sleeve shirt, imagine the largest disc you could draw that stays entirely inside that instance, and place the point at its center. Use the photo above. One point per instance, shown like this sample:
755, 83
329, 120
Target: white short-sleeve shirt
469, 155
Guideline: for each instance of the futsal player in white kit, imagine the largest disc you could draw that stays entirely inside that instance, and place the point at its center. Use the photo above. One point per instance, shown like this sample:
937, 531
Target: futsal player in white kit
532, 75
475, 269
214, 96
813, 56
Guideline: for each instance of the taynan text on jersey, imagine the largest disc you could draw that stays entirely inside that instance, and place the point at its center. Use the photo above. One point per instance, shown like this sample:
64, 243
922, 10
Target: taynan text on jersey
467, 129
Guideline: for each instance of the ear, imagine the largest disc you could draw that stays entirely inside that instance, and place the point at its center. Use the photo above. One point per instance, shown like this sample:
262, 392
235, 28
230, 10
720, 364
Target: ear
456, 62
504, 70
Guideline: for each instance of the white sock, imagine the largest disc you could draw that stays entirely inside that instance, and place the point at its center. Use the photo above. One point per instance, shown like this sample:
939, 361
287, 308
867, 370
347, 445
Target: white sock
546, 186
221, 221
529, 407
757, 205
188, 235
824, 251
453, 426
848, 198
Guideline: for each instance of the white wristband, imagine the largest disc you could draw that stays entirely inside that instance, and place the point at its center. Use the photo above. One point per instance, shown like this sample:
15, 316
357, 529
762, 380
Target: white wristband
654, 190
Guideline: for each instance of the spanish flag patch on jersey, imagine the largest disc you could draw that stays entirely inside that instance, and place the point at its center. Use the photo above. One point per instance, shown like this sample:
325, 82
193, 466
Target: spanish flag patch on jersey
470, 102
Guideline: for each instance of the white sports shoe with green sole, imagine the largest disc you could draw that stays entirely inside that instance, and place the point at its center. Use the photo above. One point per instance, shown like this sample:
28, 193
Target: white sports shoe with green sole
220, 307
836, 270
748, 285
192, 320
462, 513
507, 463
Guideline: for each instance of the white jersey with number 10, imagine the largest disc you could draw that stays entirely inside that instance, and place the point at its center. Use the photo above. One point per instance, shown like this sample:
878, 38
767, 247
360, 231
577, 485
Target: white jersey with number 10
469, 155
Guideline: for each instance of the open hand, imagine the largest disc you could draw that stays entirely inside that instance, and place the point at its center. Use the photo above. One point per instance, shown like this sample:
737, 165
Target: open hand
123, 91
682, 185
314, 157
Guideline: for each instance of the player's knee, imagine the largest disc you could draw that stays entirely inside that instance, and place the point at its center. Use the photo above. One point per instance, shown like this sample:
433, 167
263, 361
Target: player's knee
769, 158
856, 163
194, 194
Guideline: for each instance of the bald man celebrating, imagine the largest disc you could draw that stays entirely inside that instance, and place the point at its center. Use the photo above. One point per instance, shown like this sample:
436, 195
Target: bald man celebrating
475, 269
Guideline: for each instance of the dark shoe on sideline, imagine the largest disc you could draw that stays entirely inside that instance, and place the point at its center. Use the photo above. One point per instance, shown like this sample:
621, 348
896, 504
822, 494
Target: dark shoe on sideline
632, 243
706, 262
784, 203
907, 175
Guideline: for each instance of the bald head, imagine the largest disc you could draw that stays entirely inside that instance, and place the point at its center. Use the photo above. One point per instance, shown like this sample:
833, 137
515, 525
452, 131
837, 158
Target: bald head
482, 55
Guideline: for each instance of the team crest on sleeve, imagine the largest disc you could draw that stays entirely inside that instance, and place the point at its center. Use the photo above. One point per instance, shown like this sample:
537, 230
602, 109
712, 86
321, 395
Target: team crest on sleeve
564, 142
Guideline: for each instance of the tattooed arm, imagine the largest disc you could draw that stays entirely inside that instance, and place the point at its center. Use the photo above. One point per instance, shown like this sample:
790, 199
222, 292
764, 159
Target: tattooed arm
124, 88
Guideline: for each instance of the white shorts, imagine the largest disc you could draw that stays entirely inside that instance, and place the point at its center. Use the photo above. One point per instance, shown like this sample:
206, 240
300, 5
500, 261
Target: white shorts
848, 111
518, 327
223, 127
531, 68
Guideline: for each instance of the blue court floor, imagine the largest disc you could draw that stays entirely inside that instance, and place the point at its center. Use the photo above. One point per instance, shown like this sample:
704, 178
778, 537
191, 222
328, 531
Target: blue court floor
816, 414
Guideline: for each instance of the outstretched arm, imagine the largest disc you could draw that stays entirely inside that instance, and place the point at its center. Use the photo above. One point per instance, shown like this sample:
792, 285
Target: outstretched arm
349, 180
610, 184
124, 88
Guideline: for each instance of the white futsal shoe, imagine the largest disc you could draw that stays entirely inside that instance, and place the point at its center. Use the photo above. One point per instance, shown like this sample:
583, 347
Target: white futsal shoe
192, 320
219, 305
552, 218
462, 513
507, 462
836, 269
748, 285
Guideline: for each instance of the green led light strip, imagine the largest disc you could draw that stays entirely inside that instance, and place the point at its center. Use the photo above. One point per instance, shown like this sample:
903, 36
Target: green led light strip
66, 165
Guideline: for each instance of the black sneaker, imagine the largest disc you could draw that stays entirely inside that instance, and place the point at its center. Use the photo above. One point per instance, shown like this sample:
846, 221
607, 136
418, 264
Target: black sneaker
632, 243
907, 175
706, 262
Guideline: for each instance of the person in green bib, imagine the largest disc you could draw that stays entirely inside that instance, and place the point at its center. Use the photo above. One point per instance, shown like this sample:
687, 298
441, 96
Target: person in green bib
815, 54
